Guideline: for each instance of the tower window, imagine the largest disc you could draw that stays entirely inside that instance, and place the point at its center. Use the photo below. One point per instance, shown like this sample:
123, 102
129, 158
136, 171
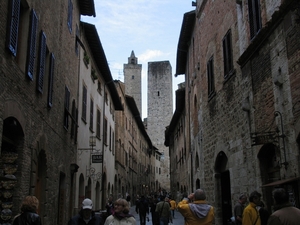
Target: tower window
158, 93
132, 77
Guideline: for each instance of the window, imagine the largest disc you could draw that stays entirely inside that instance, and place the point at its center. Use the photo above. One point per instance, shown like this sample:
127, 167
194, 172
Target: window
113, 143
91, 114
98, 125
13, 26
227, 55
50, 84
99, 89
110, 138
84, 100
105, 132
254, 17
70, 15
31, 45
74, 121
67, 103
132, 77
210, 77
42, 62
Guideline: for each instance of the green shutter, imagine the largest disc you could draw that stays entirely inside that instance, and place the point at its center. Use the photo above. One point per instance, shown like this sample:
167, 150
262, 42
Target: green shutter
31, 45
42, 62
50, 85
13, 26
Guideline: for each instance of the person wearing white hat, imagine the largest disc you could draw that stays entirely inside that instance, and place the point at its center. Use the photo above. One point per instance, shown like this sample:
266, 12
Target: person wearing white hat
86, 215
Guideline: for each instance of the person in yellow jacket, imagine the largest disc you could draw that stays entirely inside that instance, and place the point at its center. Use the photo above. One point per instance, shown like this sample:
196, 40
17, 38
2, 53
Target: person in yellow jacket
173, 207
195, 209
251, 214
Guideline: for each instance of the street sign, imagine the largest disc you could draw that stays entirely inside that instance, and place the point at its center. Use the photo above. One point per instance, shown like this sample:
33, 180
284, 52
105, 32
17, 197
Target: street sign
263, 138
97, 158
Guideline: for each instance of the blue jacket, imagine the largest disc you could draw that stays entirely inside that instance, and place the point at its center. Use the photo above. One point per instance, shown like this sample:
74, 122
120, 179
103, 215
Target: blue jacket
78, 220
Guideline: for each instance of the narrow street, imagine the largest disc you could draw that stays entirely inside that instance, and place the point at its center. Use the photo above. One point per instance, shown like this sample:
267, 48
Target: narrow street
178, 220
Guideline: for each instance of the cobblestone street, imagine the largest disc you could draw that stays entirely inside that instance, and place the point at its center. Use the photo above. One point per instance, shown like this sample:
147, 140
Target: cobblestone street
178, 220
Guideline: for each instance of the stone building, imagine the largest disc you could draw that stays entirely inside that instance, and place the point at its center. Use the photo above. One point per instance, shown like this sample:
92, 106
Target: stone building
135, 153
98, 101
160, 110
133, 80
38, 103
241, 117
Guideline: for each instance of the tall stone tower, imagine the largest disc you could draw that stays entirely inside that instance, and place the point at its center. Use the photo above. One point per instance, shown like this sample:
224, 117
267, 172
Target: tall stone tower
160, 112
133, 80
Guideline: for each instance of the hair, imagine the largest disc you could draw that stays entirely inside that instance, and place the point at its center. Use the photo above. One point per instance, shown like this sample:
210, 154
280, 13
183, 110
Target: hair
30, 203
122, 201
281, 196
199, 194
242, 196
253, 195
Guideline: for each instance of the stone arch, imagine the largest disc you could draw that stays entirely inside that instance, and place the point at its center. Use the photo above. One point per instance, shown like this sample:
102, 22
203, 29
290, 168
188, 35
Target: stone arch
12, 155
223, 196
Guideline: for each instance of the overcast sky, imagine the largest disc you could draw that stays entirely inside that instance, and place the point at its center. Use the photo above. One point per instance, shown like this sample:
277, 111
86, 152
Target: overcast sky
150, 28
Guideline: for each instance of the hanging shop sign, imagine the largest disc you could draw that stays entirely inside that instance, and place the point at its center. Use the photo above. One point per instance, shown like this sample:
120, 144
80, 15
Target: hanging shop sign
97, 158
263, 138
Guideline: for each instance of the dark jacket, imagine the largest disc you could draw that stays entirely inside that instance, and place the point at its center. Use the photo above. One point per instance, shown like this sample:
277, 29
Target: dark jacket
27, 218
78, 220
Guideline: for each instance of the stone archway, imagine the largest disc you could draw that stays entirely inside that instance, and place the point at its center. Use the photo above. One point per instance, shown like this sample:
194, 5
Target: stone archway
223, 181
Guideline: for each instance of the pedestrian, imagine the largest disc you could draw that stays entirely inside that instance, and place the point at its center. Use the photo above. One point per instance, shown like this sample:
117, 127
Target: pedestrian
195, 209
163, 211
121, 214
109, 206
284, 213
239, 208
263, 213
28, 214
152, 204
251, 214
142, 208
173, 207
86, 215
128, 199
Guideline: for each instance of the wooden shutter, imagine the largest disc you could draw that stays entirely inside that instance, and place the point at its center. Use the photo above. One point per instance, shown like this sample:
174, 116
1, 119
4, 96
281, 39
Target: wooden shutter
42, 62
13, 26
84, 103
67, 105
31, 45
50, 85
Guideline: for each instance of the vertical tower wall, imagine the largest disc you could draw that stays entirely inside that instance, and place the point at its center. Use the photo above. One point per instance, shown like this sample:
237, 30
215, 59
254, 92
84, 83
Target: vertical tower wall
133, 80
160, 111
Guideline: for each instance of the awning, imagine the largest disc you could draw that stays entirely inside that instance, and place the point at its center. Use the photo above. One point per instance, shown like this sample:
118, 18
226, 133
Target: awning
278, 182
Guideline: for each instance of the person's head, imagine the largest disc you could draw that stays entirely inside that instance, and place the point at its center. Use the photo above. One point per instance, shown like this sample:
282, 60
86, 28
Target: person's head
255, 197
280, 196
110, 198
121, 206
86, 207
243, 198
199, 194
30, 204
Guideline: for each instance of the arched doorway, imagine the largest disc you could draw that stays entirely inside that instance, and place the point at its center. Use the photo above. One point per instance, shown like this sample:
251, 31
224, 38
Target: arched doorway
11, 155
223, 178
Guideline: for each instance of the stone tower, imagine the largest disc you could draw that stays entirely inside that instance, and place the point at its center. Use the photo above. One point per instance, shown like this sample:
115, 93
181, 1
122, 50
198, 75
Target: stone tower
133, 80
160, 112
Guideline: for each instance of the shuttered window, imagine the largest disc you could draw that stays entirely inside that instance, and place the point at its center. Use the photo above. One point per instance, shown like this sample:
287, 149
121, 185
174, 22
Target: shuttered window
227, 55
98, 124
91, 114
84, 101
42, 62
210, 76
67, 105
254, 17
31, 45
13, 26
50, 84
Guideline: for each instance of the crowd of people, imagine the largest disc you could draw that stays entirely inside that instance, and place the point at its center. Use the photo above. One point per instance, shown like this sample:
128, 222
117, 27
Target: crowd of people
193, 207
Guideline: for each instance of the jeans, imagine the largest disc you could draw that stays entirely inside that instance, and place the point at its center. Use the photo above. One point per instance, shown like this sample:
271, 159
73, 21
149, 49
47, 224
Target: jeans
163, 221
